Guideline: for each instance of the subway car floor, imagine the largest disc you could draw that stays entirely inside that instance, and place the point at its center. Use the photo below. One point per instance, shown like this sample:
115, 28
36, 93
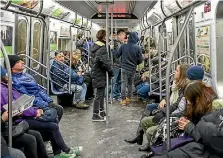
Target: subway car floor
101, 140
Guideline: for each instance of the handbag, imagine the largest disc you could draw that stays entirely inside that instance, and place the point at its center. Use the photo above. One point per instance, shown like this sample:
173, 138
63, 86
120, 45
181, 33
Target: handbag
17, 130
49, 115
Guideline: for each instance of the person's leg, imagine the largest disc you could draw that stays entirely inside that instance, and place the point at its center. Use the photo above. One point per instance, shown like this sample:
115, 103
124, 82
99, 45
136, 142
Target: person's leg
59, 109
102, 102
143, 91
28, 142
151, 107
41, 150
98, 100
54, 134
83, 93
15, 153
129, 84
123, 86
146, 123
77, 89
115, 82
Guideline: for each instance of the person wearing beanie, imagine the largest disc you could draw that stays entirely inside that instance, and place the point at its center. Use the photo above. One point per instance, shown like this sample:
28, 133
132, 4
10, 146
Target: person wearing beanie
26, 84
195, 72
13, 59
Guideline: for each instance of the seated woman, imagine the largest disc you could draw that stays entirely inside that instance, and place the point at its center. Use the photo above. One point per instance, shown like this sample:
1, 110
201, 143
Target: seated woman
180, 78
48, 130
203, 121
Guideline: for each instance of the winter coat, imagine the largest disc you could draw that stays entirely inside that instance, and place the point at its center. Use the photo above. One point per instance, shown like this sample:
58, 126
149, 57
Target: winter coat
131, 53
60, 74
26, 84
30, 112
100, 63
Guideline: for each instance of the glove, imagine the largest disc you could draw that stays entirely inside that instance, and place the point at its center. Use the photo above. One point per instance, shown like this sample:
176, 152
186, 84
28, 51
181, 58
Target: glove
156, 119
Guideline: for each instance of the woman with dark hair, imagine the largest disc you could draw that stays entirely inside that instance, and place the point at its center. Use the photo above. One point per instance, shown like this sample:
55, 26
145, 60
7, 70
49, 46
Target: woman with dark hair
100, 64
203, 121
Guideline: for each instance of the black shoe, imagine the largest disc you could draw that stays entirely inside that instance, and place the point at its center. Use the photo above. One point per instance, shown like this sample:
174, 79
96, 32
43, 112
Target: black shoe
132, 140
97, 118
102, 113
148, 155
145, 147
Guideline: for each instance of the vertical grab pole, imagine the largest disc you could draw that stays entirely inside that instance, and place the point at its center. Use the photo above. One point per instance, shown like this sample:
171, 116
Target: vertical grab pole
71, 56
8, 68
112, 42
160, 62
107, 78
48, 56
173, 50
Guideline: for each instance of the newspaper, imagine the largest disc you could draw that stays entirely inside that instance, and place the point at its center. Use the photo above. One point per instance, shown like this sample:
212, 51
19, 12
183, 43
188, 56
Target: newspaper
21, 104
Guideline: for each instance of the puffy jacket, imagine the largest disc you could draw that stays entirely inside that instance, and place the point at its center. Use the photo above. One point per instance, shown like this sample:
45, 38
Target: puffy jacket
60, 75
32, 111
100, 63
26, 84
131, 53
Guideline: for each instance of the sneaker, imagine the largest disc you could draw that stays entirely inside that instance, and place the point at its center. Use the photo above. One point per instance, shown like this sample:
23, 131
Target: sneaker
82, 106
124, 102
128, 100
65, 155
76, 150
102, 113
97, 118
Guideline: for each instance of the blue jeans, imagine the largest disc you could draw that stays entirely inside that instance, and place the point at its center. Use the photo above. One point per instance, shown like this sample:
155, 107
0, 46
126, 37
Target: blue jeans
79, 92
143, 90
127, 79
117, 82
151, 107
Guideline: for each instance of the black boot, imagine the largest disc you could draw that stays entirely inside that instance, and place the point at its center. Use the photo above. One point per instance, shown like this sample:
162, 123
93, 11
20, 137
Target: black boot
132, 140
145, 147
148, 155
138, 138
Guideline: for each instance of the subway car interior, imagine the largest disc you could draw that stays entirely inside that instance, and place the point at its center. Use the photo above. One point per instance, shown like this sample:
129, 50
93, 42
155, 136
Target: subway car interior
111, 78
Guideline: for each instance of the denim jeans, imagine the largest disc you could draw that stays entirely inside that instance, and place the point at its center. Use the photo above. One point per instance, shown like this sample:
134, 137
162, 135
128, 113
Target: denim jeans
143, 90
98, 104
151, 107
79, 92
117, 82
127, 79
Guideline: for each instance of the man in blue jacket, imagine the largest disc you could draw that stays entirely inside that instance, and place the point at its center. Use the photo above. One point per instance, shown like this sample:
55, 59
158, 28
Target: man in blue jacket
131, 56
26, 84
60, 73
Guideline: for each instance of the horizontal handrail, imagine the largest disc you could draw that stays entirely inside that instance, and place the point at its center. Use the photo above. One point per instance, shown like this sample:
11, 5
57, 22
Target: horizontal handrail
33, 60
35, 72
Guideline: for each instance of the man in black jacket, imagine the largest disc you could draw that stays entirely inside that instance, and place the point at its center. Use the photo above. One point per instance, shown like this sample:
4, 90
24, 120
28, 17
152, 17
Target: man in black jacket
208, 134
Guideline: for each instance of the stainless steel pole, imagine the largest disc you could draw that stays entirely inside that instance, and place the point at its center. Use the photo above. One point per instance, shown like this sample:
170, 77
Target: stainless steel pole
8, 68
107, 77
112, 42
71, 56
173, 50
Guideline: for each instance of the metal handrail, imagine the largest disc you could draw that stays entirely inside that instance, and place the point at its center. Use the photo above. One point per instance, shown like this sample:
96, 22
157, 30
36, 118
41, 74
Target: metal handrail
40, 9
8, 68
35, 72
33, 60
173, 50
8, 4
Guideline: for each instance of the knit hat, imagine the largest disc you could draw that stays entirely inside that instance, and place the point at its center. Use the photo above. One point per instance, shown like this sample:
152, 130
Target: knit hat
3, 71
13, 59
195, 73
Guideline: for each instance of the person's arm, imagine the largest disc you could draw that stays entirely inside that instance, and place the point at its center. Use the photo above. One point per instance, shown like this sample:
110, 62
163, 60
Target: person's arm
106, 63
118, 52
18, 85
139, 56
30, 112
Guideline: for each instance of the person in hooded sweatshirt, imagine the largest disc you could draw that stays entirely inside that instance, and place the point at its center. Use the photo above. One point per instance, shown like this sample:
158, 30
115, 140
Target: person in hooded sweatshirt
131, 56
100, 64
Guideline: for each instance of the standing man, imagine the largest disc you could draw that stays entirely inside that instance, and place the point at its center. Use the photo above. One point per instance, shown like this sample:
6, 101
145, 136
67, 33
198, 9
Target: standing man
131, 56
117, 64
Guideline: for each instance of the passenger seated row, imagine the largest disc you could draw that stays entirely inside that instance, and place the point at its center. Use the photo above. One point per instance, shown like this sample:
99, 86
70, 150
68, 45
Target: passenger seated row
42, 117
191, 101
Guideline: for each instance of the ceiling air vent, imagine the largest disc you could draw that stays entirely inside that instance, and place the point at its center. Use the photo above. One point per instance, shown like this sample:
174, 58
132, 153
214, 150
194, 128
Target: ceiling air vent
104, 1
